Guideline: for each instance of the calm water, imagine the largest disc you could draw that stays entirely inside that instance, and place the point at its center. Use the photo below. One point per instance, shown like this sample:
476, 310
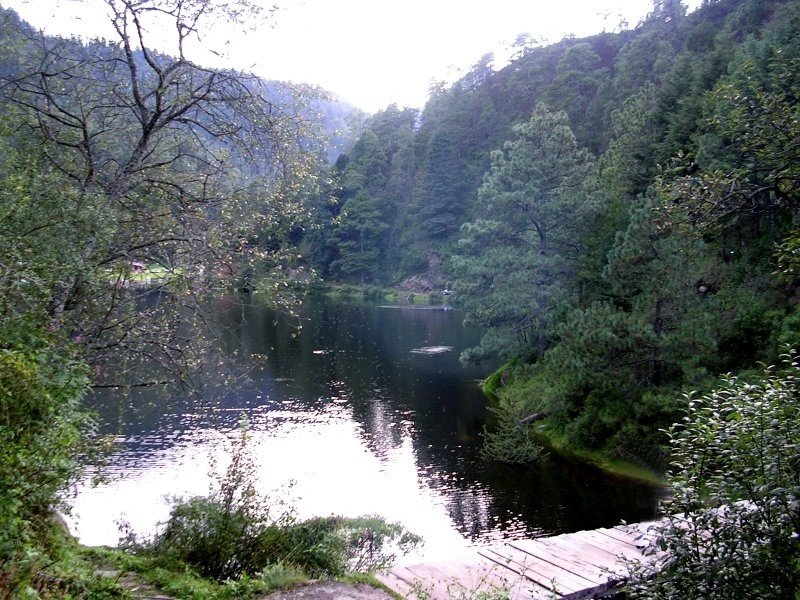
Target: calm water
365, 410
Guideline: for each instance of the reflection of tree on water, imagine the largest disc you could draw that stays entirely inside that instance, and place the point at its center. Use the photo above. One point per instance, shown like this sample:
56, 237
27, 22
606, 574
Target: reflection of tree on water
353, 363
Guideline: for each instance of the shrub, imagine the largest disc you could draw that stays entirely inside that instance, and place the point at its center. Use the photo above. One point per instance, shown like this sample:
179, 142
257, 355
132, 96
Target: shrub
233, 532
41, 427
220, 535
510, 439
733, 514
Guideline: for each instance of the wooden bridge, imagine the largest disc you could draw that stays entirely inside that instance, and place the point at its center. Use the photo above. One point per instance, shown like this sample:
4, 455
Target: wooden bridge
585, 564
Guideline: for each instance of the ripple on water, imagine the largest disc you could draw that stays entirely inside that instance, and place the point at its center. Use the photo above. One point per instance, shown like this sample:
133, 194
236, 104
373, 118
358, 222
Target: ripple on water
432, 350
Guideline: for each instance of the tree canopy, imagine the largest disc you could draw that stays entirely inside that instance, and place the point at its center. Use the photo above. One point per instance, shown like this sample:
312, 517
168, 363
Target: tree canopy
619, 213
124, 170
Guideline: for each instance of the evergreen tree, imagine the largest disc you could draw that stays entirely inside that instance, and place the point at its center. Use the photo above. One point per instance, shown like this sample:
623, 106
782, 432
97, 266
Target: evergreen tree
440, 201
358, 239
517, 265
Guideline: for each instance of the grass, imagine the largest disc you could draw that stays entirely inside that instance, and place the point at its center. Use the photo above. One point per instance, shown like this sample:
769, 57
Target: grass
370, 292
600, 459
104, 573
180, 581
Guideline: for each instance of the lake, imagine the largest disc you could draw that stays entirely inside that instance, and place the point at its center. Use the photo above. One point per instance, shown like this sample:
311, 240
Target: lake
363, 410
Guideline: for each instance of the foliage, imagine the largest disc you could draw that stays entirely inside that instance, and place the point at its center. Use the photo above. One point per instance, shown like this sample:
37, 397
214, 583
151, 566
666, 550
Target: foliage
360, 225
686, 268
517, 264
510, 439
116, 158
41, 433
122, 156
732, 515
57, 570
234, 532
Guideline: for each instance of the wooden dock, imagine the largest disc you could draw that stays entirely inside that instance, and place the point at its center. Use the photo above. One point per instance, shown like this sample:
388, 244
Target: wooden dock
585, 564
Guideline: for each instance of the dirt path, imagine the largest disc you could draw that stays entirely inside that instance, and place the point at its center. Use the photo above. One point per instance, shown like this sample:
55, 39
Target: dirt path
327, 590
314, 590
131, 582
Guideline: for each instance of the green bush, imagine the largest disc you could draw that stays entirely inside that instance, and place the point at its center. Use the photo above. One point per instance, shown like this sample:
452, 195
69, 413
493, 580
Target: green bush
335, 546
220, 541
510, 439
234, 532
602, 414
732, 517
41, 427
220, 535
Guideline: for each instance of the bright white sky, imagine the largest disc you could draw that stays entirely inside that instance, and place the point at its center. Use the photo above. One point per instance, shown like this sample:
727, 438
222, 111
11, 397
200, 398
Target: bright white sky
372, 53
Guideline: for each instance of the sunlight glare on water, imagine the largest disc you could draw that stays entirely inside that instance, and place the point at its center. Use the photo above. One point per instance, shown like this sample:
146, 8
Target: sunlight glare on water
349, 418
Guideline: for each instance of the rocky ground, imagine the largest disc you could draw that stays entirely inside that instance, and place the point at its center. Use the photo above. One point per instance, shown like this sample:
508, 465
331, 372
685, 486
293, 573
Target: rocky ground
320, 590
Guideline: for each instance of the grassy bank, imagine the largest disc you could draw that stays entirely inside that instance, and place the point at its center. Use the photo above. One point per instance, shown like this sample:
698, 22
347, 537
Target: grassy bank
180, 580
553, 440
103, 573
556, 443
376, 293
233, 565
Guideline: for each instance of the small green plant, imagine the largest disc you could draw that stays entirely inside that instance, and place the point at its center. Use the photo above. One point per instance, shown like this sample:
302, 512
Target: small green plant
220, 535
236, 532
510, 439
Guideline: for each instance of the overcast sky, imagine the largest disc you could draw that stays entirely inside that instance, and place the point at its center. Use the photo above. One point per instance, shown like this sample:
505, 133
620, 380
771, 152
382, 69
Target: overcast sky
372, 52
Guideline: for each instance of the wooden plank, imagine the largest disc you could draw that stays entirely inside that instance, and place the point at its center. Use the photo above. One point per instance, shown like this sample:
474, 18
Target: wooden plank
485, 575
594, 542
584, 551
621, 535
564, 560
420, 584
583, 554
572, 582
580, 564
590, 561
560, 569
448, 579
621, 549
488, 576
546, 575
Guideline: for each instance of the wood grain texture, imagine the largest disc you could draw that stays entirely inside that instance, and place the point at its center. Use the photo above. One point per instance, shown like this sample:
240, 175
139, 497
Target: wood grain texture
571, 566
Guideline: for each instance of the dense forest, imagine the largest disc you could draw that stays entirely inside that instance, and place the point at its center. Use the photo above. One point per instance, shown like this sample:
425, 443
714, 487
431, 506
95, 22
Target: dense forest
618, 213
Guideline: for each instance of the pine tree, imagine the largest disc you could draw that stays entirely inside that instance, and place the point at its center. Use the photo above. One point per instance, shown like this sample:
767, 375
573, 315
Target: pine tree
518, 263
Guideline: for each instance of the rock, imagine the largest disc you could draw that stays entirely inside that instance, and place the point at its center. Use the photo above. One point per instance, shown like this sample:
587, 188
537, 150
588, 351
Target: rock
533, 418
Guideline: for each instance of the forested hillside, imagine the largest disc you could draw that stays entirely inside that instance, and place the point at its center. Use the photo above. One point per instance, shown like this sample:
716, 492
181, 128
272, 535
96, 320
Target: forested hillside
617, 211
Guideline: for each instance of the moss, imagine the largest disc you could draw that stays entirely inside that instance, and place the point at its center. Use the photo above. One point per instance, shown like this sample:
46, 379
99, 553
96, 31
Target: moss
492, 383
602, 459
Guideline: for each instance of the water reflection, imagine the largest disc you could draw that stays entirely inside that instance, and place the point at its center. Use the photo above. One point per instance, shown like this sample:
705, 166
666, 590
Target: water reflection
349, 410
